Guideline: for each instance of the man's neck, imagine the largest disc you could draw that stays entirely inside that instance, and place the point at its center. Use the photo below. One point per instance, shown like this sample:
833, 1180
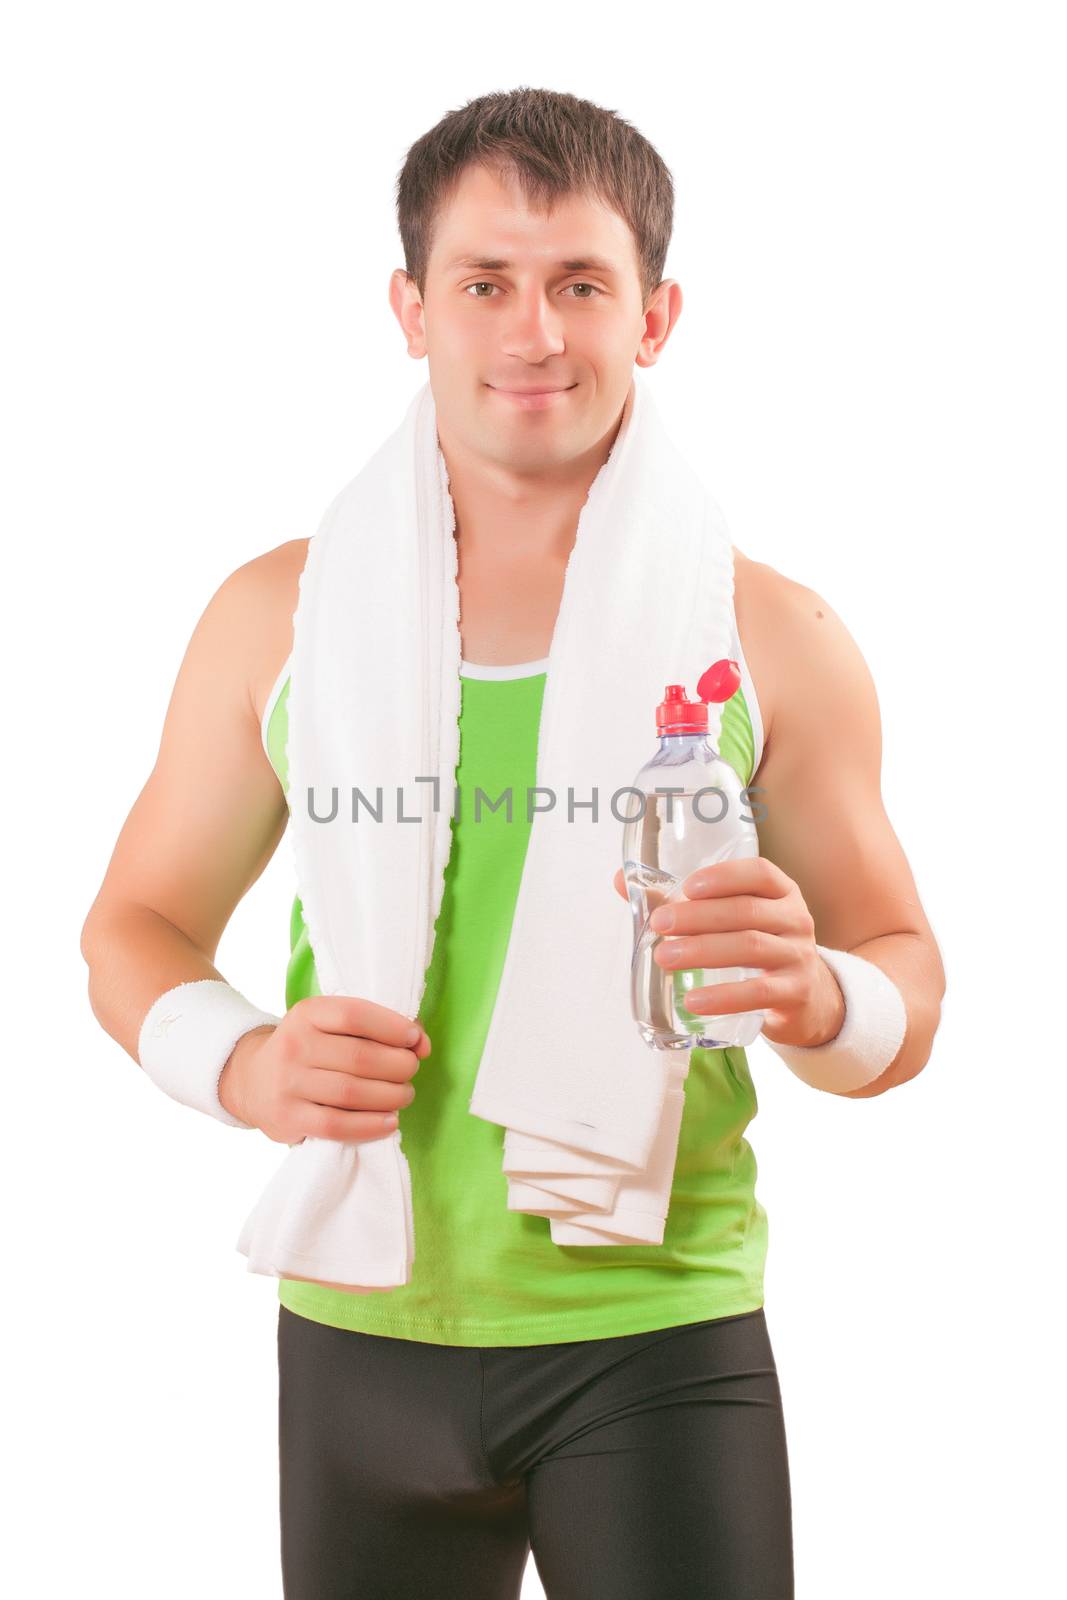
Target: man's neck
503, 514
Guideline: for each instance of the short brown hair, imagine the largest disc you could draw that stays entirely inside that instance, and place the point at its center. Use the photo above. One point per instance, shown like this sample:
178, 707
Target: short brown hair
553, 144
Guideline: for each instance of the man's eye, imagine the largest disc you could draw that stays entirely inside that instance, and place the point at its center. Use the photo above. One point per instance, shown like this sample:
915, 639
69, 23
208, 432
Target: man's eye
485, 285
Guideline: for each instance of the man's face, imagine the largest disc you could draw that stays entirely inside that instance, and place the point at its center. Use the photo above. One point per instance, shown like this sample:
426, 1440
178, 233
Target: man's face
506, 312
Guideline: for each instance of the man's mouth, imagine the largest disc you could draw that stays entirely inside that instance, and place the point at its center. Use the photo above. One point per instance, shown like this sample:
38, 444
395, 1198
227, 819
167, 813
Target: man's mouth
533, 399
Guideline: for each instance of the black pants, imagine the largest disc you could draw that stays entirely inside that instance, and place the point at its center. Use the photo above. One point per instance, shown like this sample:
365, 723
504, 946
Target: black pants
647, 1467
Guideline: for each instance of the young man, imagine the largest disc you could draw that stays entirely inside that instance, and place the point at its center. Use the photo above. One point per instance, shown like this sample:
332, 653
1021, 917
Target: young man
617, 1408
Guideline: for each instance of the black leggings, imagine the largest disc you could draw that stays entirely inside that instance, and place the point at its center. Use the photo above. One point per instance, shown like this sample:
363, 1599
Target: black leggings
646, 1467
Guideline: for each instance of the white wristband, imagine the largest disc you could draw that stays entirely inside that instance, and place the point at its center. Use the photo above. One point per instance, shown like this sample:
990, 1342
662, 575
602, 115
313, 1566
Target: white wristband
187, 1038
868, 1040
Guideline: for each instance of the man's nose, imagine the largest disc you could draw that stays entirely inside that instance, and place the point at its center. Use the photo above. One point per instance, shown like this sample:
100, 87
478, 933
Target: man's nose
535, 329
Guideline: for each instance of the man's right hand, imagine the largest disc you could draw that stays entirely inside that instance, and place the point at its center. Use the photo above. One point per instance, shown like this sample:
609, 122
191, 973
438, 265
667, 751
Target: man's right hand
333, 1068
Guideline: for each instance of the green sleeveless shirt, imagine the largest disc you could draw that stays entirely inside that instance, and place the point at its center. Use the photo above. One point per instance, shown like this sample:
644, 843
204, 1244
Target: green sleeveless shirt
484, 1275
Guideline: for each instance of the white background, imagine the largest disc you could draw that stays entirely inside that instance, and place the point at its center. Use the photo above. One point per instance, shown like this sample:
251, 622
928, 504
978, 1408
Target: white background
869, 370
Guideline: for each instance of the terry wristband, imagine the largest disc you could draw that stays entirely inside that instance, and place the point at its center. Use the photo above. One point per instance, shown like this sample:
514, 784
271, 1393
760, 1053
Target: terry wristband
187, 1038
868, 1039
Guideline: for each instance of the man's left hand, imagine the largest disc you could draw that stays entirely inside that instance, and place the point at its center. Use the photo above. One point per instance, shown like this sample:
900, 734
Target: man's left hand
748, 913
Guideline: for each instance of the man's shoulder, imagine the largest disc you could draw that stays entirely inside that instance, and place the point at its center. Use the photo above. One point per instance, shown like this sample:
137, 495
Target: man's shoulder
808, 670
261, 596
794, 642
763, 592
274, 570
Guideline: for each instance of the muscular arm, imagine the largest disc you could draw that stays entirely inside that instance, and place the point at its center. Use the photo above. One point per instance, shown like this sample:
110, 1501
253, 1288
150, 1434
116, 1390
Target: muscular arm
826, 825
207, 821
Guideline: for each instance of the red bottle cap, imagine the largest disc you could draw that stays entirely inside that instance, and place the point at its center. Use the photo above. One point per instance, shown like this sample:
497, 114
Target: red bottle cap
676, 714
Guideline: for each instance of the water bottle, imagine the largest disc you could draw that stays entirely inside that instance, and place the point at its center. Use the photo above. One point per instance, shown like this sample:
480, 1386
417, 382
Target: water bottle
702, 820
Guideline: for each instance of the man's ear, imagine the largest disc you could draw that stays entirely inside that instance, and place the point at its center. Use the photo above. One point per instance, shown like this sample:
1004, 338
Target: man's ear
406, 302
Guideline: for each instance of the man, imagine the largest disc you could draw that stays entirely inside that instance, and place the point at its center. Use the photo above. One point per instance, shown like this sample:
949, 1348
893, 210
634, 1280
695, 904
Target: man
617, 1409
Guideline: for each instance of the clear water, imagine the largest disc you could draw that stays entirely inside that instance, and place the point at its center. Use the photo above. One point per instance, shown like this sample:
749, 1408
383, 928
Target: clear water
660, 851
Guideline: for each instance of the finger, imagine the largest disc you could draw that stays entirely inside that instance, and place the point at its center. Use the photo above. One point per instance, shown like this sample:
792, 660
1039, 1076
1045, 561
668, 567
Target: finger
362, 1058
745, 875
718, 950
319, 1086
342, 1013
730, 914
726, 998
327, 1122
619, 881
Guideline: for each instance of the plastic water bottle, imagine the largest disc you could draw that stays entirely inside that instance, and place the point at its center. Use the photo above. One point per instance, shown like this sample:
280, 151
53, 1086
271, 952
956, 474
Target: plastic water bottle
702, 820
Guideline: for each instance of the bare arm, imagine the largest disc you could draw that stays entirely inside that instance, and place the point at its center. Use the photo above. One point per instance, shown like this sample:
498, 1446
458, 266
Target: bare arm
208, 819
826, 825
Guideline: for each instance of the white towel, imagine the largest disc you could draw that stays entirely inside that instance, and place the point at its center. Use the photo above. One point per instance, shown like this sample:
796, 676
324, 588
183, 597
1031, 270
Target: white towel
374, 700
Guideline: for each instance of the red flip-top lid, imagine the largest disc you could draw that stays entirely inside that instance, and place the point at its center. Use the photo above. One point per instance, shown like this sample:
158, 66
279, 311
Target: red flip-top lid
721, 680
676, 714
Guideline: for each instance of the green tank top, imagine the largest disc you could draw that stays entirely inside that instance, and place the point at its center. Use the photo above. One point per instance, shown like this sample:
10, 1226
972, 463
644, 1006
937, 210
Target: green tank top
484, 1275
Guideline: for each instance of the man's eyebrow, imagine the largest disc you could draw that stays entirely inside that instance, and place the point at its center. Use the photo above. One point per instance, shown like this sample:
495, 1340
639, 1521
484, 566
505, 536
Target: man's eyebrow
498, 264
